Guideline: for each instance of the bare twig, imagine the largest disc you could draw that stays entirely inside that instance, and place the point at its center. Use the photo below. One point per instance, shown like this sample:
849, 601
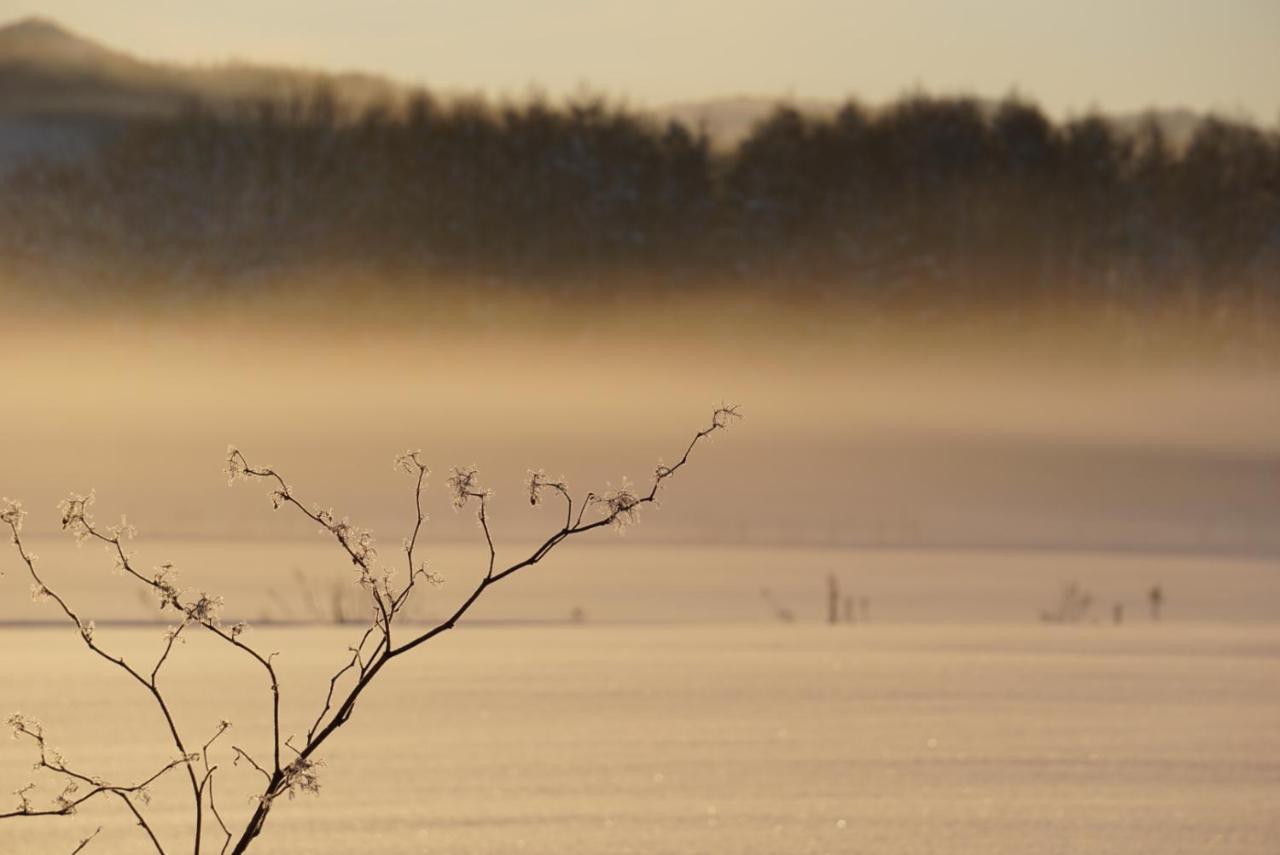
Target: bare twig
73, 510
71, 797
87, 841
618, 508
615, 507
242, 754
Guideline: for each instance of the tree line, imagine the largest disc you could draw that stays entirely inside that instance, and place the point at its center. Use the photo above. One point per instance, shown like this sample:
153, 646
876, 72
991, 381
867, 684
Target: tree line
942, 197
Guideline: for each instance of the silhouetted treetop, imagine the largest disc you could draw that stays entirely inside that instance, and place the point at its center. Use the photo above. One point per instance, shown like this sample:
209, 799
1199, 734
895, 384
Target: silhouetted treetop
944, 197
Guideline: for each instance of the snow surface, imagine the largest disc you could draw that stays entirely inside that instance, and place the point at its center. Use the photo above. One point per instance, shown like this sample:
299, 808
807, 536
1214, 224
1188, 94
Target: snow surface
743, 738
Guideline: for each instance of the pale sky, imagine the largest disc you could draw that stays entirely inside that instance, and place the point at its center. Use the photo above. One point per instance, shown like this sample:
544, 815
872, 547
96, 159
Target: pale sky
1070, 55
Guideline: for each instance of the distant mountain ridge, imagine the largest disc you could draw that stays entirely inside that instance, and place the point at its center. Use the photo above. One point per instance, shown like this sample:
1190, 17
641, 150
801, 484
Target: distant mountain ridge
46, 69
43, 40
62, 93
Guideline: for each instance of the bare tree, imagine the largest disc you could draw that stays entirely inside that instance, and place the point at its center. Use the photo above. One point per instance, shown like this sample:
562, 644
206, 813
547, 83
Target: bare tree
287, 768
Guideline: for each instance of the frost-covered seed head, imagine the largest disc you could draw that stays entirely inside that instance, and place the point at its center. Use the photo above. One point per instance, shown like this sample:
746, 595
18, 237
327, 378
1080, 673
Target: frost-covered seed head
25, 725
122, 531
77, 516
12, 513
24, 802
207, 609
724, 415
622, 505
235, 468
464, 485
537, 482
410, 463
300, 776
164, 583
67, 796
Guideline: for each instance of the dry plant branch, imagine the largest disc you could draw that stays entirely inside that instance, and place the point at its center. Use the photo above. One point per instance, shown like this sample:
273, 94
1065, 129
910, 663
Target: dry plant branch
379, 645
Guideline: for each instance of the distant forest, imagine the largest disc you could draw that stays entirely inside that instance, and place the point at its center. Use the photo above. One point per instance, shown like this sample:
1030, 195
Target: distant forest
934, 198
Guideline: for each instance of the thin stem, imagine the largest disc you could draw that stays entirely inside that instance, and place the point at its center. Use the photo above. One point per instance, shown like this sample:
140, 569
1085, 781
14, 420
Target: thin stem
86, 841
197, 612
616, 507
86, 635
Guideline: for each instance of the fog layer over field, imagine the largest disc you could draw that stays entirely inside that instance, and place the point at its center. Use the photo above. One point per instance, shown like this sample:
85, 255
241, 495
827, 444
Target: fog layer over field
858, 430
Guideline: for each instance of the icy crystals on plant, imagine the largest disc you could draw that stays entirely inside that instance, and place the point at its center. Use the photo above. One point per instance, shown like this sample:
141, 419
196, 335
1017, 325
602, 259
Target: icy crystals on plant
11, 513
410, 463
235, 468
300, 776
207, 610
76, 515
622, 505
538, 482
464, 485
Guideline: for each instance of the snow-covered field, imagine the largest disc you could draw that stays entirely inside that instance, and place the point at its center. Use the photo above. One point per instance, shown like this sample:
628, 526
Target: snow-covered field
678, 715
743, 737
